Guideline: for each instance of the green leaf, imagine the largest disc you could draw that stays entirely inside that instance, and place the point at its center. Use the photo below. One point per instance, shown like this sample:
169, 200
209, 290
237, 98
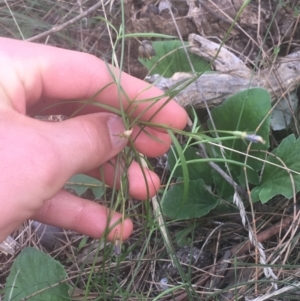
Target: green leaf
185, 172
195, 170
245, 112
198, 203
81, 183
276, 180
171, 58
221, 186
34, 271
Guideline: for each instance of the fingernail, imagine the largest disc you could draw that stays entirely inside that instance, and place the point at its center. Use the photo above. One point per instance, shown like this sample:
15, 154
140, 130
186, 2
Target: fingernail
116, 129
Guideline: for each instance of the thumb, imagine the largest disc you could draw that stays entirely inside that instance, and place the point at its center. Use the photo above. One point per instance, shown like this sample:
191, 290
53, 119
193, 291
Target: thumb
85, 142
76, 145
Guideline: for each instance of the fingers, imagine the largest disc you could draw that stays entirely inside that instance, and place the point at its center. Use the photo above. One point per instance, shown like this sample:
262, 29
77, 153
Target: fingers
54, 74
39, 157
85, 144
150, 142
67, 211
143, 183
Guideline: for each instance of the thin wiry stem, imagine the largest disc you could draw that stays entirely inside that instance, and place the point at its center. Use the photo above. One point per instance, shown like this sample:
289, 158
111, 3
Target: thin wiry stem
66, 24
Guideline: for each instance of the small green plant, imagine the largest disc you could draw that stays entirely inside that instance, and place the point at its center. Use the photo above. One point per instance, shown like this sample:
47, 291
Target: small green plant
35, 275
281, 175
171, 58
247, 162
244, 112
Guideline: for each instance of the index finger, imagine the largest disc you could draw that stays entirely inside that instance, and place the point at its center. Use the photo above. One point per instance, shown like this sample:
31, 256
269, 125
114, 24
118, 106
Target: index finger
54, 74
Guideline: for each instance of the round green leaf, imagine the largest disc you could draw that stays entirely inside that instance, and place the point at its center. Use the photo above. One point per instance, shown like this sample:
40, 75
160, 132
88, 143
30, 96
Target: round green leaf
198, 203
38, 275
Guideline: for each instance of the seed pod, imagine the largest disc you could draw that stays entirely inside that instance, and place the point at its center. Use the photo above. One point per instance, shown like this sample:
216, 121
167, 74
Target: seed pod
146, 50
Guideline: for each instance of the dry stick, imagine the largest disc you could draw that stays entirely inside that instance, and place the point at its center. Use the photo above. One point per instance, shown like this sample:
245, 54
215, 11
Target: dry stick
264, 235
216, 280
226, 18
64, 25
244, 247
258, 24
234, 78
222, 16
114, 58
293, 33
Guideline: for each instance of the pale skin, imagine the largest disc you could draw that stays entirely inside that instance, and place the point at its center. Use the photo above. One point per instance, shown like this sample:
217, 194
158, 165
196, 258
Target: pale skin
38, 157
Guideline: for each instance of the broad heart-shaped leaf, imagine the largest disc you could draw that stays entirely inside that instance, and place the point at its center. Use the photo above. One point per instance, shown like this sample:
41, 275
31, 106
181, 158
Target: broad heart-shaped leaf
81, 183
197, 170
171, 58
244, 112
198, 203
35, 271
276, 180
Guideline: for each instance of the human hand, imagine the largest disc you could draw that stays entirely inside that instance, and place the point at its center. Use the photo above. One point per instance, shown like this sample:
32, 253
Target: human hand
37, 157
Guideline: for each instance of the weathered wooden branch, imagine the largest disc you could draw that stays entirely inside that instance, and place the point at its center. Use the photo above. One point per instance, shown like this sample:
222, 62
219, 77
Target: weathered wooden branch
231, 76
